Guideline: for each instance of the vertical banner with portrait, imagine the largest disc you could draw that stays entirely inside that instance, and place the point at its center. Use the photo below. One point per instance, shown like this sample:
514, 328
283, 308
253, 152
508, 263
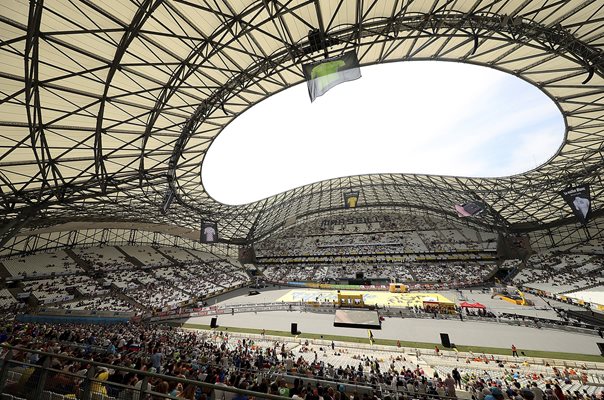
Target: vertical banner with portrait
209, 232
351, 199
579, 200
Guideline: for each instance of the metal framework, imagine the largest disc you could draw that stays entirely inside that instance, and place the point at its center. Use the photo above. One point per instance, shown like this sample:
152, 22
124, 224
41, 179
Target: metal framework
106, 106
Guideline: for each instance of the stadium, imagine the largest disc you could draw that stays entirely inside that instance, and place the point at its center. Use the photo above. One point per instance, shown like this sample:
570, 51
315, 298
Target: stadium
122, 277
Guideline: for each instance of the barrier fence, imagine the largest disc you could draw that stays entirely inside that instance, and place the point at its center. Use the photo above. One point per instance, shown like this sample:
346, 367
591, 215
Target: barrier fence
329, 308
58, 377
444, 355
31, 374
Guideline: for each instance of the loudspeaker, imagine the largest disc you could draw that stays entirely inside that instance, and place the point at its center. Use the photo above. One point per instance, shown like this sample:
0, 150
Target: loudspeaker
294, 329
601, 347
315, 39
213, 323
444, 340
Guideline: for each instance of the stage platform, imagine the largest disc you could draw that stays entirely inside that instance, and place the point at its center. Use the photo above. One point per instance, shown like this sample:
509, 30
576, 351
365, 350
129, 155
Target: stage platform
363, 319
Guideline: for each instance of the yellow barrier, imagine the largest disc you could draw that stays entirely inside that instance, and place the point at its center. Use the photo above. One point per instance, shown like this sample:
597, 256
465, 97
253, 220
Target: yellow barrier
519, 302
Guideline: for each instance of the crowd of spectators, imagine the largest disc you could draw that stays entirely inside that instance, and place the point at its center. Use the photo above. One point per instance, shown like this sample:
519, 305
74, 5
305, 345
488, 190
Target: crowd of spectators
7, 302
104, 303
190, 279
561, 273
159, 295
62, 287
374, 233
454, 273
296, 369
41, 265
104, 259
151, 285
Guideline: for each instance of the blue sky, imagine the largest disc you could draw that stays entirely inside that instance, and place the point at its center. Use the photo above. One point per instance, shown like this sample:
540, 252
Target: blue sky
409, 117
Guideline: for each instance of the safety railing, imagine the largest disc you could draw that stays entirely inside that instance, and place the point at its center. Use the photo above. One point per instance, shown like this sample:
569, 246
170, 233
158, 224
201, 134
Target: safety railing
395, 312
35, 375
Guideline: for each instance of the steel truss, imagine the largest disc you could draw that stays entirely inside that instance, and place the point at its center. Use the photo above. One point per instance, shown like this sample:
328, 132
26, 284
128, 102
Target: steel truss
112, 108
53, 240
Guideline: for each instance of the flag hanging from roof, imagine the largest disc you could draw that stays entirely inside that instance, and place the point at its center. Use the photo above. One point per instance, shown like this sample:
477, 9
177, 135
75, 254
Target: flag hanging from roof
579, 200
326, 74
351, 199
470, 209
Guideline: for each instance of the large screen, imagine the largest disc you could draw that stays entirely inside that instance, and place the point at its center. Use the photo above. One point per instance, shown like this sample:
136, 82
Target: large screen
357, 319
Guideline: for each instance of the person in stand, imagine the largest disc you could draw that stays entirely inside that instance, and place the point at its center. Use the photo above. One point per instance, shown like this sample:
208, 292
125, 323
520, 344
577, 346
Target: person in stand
537, 392
456, 377
450, 386
514, 351
436, 350
558, 392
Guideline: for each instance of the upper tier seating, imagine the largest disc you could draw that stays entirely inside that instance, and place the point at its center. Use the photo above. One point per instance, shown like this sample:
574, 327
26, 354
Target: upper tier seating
41, 265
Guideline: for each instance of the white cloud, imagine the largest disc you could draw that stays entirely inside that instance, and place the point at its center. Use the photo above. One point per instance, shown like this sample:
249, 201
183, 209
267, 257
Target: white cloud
415, 117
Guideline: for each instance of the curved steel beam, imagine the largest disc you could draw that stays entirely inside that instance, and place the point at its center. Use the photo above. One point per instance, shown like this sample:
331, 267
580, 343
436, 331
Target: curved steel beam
201, 53
46, 165
551, 39
142, 14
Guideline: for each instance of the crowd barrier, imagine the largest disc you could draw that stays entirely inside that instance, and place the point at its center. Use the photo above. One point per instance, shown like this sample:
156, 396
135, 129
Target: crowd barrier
84, 313
445, 355
411, 286
24, 380
57, 319
329, 308
564, 298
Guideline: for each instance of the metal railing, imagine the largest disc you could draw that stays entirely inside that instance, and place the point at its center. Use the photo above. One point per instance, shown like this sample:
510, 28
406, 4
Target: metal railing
395, 312
59, 377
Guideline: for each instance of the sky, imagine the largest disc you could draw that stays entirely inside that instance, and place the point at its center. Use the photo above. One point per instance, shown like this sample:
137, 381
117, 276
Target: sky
422, 117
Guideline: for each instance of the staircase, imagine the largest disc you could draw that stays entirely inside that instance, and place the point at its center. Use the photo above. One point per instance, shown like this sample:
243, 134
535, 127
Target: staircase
4, 272
85, 265
130, 300
132, 260
169, 257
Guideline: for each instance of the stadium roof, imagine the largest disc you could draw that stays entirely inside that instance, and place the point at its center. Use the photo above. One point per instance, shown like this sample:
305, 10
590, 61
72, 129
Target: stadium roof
109, 105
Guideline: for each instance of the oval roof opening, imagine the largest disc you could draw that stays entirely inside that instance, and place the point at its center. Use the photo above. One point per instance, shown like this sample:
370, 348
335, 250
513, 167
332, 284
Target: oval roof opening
422, 117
